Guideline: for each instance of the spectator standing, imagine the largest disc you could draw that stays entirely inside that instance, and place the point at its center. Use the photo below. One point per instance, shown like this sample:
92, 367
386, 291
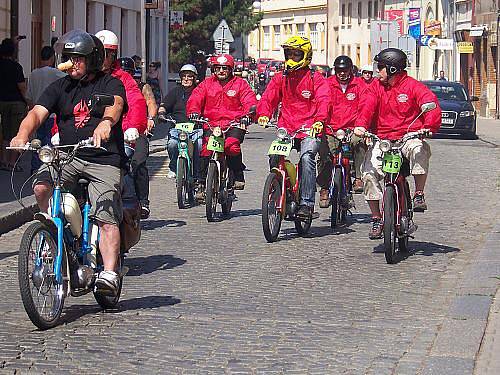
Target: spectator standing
154, 80
441, 76
38, 81
12, 101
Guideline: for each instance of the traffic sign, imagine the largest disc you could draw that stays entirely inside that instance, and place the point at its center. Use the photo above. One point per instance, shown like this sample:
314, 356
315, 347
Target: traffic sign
222, 33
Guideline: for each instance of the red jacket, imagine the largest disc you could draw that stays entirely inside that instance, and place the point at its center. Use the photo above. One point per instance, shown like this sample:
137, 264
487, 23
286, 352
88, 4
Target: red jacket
136, 116
304, 97
364, 84
345, 105
391, 109
221, 104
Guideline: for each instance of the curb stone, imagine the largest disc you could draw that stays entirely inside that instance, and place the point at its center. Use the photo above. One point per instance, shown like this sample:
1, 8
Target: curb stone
16, 215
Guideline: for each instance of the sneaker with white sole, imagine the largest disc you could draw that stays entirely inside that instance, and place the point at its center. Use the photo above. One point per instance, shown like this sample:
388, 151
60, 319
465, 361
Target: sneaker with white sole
107, 283
171, 175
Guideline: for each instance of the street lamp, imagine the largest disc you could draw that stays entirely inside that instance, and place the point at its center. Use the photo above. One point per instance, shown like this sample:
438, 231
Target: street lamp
255, 6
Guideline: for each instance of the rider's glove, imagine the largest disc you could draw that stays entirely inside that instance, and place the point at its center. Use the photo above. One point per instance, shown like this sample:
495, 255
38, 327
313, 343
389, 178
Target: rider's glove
55, 140
194, 116
245, 121
263, 121
317, 126
162, 116
130, 135
359, 131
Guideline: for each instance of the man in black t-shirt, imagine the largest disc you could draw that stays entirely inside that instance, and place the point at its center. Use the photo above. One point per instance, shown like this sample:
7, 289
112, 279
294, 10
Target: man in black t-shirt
69, 99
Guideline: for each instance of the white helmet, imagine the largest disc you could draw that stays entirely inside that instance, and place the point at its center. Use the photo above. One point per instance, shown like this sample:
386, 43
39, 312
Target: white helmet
367, 68
109, 39
189, 68
244, 74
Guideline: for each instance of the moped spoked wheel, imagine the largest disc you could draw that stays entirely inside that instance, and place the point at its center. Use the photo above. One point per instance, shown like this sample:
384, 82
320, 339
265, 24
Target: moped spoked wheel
229, 193
183, 188
105, 301
212, 192
42, 296
339, 213
390, 232
271, 217
405, 212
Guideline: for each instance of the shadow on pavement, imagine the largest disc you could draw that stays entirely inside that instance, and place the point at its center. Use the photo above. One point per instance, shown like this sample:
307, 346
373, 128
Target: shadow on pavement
251, 212
154, 224
7, 255
145, 265
418, 248
75, 312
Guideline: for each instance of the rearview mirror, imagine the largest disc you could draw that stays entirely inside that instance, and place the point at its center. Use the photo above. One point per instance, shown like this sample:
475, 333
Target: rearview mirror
101, 101
474, 99
426, 107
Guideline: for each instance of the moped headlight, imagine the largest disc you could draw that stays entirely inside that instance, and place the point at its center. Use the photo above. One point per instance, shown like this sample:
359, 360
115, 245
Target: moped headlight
46, 155
217, 132
340, 134
183, 136
282, 134
183, 144
385, 145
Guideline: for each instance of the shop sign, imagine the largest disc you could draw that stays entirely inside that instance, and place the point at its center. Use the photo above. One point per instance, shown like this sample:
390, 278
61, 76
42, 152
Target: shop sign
465, 47
432, 27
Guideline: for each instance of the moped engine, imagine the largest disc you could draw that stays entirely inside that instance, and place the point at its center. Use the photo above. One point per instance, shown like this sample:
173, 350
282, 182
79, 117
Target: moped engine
86, 276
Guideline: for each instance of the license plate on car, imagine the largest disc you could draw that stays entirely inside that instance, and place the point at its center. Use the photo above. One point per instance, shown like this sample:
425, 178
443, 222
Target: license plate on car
447, 121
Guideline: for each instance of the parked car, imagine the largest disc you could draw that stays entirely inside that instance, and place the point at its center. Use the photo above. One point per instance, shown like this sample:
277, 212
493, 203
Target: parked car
324, 69
274, 65
458, 113
261, 64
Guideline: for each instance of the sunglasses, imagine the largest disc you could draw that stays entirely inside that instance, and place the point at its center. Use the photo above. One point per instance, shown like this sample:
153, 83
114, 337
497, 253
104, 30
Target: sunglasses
187, 76
74, 59
381, 66
221, 67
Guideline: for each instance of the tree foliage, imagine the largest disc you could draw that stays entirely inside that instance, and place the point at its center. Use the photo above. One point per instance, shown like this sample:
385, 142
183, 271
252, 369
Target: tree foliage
201, 17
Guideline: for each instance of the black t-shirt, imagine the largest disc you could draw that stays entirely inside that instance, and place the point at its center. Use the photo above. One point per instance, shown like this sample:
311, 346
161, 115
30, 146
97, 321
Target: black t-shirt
175, 103
69, 98
11, 73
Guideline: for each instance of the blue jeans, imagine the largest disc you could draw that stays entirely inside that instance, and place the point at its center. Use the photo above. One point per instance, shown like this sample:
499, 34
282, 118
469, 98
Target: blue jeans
44, 134
309, 147
173, 149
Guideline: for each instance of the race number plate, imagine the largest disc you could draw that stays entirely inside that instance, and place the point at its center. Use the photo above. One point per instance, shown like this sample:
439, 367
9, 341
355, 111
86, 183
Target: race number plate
215, 144
391, 163
187, 127
280, 148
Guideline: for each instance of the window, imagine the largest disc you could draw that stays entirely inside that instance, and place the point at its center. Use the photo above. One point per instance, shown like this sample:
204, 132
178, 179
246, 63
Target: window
359, 12
277, 37
370, 16
314, 35
300, 30
343, 50
349, 13
358, 55
343, 14
375, 10
267, 39
349, 51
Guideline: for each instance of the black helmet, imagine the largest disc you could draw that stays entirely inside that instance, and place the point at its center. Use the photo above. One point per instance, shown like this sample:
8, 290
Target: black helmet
81, 43
127, 64
393, 58
342, 62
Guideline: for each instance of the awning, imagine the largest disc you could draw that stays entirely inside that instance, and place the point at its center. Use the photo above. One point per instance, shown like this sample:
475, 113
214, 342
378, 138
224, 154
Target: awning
478, 31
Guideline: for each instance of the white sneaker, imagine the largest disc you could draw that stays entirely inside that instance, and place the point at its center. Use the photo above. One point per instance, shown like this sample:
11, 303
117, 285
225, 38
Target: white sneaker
107, 283
171, 175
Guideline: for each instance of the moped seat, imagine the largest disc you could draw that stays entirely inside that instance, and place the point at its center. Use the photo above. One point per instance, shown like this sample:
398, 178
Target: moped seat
83, 181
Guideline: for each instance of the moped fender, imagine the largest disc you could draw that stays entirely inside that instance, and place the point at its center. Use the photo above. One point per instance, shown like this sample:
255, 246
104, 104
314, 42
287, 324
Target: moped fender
281, 174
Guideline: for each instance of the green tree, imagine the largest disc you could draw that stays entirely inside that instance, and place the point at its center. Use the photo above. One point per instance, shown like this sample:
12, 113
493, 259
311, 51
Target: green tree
201, 17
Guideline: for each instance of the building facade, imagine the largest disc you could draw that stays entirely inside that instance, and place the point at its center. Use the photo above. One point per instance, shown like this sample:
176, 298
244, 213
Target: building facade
42, 20
284, 18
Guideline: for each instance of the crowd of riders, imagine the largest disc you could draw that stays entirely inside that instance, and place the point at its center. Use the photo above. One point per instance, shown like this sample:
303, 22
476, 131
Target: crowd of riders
294, 97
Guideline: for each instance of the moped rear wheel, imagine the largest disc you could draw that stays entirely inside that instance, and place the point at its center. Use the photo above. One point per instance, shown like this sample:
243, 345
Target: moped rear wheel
228, 194
271, 217
183, 188
212, 192
108, 302
390, 232
42, 296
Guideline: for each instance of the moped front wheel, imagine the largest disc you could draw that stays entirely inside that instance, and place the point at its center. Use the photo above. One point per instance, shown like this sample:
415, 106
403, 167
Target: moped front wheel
390, 232
271, 216
42, 296
183, 188
339, 213
212, 192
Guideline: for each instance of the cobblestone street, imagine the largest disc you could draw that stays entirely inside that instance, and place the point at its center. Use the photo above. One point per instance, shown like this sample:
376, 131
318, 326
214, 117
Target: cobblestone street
216, 298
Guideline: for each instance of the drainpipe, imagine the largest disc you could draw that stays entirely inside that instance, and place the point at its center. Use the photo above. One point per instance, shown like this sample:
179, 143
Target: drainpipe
497, 104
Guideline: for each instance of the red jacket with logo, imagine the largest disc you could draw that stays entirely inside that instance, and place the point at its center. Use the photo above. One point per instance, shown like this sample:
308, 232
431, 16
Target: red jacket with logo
304, 97
345, 105
391, 109
221, 104
136, 116
365, 84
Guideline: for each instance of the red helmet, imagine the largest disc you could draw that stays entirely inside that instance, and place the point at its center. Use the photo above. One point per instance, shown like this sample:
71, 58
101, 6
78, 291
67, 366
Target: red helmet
224, 60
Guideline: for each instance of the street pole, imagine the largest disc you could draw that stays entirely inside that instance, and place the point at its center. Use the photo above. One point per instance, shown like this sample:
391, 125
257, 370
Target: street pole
497, 109
143, 43
148, 36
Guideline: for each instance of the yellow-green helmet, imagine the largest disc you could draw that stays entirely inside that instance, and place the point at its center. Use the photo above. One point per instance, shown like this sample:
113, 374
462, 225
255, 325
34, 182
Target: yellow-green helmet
298, 43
